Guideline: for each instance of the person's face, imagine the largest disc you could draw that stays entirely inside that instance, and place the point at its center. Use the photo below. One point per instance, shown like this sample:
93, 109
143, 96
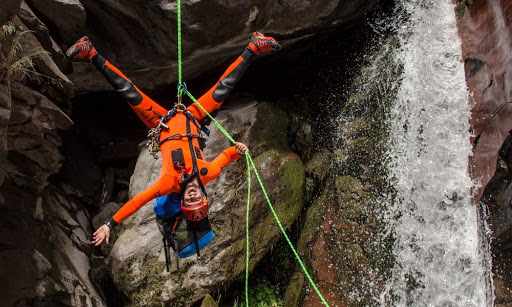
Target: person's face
193, 195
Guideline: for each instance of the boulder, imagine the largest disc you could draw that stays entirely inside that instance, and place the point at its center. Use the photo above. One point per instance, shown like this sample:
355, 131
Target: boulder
137, 258
32, 139
68, 25
32, 22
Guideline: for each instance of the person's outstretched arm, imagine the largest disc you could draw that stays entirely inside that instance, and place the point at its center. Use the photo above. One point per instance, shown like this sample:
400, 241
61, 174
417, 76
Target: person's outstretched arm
227, 156
163, 186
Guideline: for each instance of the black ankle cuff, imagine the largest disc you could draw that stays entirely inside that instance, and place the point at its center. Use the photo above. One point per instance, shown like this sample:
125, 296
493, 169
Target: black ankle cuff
248, 55
98, 61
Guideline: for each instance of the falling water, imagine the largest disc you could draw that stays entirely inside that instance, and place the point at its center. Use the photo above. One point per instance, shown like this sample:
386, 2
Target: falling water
434, 223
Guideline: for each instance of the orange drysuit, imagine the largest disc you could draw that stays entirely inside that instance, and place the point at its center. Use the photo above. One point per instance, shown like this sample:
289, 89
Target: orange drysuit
175, 151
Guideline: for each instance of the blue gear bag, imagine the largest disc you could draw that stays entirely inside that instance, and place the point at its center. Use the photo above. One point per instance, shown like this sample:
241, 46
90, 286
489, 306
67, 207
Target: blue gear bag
168, 205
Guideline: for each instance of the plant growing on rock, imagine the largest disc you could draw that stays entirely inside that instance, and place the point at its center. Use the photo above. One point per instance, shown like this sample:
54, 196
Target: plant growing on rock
263, 294
16, 65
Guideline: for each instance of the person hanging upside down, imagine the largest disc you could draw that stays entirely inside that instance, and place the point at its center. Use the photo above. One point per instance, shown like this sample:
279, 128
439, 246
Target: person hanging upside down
179, 137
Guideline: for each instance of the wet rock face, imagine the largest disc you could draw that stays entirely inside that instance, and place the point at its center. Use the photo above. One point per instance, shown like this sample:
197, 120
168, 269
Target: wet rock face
497, 197
342, 237
485, 28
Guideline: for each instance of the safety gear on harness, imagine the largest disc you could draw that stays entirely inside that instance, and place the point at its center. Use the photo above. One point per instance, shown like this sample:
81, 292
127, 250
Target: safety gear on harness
154, 141
184, 237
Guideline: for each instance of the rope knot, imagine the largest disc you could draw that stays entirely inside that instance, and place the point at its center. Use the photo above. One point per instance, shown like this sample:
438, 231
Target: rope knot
182, 89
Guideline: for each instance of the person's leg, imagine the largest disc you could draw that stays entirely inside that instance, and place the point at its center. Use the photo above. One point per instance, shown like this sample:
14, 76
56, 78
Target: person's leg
145, 108
212, 100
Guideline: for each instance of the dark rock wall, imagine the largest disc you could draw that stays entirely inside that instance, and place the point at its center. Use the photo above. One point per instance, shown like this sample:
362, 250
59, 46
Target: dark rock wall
497, 198
62, 163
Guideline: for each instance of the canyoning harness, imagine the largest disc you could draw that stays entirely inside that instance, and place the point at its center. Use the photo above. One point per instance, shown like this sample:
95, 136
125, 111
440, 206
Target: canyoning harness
154, 143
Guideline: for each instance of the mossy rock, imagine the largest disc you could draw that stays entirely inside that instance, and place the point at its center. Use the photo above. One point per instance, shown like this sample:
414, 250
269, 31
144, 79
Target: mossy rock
289, 197
208, 301
350, 184
460, 10
150, 284
294, 290
286, 196
313, 220
319, 165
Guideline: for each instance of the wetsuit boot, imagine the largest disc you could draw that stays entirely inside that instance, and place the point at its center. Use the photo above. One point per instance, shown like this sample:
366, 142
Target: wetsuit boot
82, 50
260, 43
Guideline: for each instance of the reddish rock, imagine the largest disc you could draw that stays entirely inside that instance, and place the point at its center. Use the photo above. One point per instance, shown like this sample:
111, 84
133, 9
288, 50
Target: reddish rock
322, 265
485, 29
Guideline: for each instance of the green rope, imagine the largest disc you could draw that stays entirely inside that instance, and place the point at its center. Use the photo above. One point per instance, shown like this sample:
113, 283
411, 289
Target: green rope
284, 233
247, 157
179, 44
267, 198
213, 119
249, 164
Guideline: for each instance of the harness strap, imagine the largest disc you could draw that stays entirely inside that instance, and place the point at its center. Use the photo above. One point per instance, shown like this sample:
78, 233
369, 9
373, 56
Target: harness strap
195, 169
154, 142
166, 250
176, 247
177, 253
196, 242
179, 136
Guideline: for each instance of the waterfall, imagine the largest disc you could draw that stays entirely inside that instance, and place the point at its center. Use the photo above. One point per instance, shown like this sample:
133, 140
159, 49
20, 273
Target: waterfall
432, 219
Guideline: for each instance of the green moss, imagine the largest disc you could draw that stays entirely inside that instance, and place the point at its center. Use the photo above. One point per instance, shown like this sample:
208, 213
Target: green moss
460, 10
350, 184
125, 273
313, 220
183, 297
264, 294
293, 179
148, 288
208, 301
319, 165
287, 196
